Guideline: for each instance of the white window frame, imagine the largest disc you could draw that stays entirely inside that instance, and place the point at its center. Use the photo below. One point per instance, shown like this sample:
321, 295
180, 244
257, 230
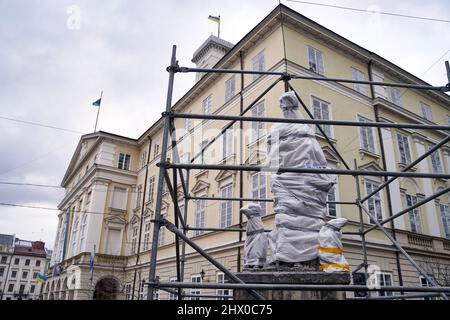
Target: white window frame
74, 236
395, 95
424, 283
124, 161
156, 150
230, 88
83, 231
258, 129
426, 111
320, 113
226, 207
381, 278
436, 163
161, 233
259, 191
315, 61
147, 227
196, 291
358, 75
444, 208
415, 220
366, 136
227, 143
138, 197
134, 236
200, 211
332, 196
259, 64
204, 156
207, 105
375, 202
128, 287
144, 159
403, 145
220, 278
173, 296
151, 188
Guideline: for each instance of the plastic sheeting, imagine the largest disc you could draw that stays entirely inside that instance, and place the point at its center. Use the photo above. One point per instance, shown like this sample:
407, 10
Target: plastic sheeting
330, 247
255, 248
299, 198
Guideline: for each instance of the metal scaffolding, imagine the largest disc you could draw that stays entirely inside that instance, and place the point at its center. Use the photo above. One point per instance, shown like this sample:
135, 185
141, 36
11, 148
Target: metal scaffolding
182, 170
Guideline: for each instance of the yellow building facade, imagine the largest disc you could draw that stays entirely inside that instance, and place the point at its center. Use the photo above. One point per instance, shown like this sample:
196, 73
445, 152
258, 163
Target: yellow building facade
111, 182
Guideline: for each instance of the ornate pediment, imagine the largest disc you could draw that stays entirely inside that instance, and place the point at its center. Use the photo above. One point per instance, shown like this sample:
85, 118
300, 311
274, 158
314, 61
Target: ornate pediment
148, 213
331, 156
134, 219
371, 166
200, 186
115, 220
224, 174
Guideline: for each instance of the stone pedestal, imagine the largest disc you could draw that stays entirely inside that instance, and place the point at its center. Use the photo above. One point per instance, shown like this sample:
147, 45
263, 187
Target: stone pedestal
286, 277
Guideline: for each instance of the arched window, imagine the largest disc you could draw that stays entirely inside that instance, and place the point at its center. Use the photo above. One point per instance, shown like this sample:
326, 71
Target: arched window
134, 235
146, 243
83, 232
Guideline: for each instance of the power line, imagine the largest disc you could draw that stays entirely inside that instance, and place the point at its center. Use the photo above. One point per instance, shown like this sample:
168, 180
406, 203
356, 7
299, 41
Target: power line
370, 11
41, 125
44, 208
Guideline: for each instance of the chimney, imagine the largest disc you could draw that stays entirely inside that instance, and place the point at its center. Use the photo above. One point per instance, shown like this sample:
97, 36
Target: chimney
209, 53
38, 245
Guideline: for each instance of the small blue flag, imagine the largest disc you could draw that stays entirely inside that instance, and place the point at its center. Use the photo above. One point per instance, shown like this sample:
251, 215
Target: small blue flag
97, 103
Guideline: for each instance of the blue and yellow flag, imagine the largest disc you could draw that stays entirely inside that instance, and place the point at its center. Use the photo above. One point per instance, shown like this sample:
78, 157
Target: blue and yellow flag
214, 18
41, 278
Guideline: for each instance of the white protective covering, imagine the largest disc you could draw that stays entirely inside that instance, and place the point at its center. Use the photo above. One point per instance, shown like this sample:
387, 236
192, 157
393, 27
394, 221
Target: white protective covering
255, 248
299, 198
330, 247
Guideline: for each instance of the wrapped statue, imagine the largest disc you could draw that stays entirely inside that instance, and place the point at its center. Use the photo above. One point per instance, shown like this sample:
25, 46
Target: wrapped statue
330, 247
255, 248
299, 198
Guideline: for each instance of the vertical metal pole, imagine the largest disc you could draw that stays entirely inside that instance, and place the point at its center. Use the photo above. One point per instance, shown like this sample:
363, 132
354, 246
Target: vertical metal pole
361, 225
185, 215
158, 220
241, 160
98, 111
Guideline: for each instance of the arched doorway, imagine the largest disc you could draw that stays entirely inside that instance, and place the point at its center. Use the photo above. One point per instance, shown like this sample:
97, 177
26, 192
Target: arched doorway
106, 289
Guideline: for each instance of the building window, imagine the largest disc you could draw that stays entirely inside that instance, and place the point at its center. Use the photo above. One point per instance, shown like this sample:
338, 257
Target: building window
359, 76
227, 143
4, 259
143, 159
332, 208
199, 216
424, 283
82, 234
155, 150
445, 214
203, 157
258, 189
119, 198
32, 288
321, 111
224, 293
134, 234
2, 271
258, 64
162, 230
138, 197
16, 261
414, 215
426, 111
403, 147
128, 291
436, 161
156, 294
207, 105
230, 86
141, 290
11, 287
258, 128
395, 96
226, 206
187, 124
196, 291
366, 135
374, 202
74, 237
35, 275
172, 296
151, 188
38, 263
384, 280
27, 262
124, 161
13, 274
24, 274
315, 60
146, 234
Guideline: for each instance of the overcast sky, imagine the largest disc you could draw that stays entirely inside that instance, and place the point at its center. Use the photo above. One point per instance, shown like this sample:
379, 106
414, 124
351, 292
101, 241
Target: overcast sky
53, 66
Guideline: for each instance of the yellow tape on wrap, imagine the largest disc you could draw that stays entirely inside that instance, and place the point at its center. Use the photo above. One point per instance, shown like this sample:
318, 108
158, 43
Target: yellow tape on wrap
330, 250
335, 265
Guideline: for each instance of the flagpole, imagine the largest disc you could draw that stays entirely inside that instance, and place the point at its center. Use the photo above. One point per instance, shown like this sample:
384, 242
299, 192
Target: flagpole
218, 28
98, 111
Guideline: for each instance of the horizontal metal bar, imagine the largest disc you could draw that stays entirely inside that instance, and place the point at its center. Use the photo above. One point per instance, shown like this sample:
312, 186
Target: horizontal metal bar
404, 211
311, 121
294, 76
220, 229
206, 296
297, 287
229, 199
305, 170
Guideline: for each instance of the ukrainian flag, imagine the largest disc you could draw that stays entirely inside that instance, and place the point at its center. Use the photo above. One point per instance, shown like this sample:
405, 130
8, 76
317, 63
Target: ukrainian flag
214, 18
41, 278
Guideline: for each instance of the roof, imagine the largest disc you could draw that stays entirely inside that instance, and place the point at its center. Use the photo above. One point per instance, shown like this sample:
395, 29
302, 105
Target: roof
30, 251
211, 41
7, 240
